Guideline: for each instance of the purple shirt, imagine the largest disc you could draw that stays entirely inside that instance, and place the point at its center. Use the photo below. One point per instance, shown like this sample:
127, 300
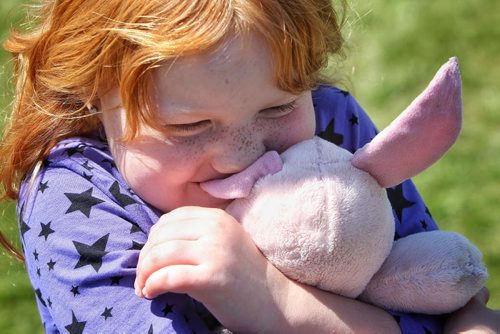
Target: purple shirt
82, 228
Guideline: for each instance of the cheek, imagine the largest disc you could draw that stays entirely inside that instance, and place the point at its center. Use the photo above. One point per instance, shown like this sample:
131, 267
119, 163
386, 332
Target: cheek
294, 128
156, 173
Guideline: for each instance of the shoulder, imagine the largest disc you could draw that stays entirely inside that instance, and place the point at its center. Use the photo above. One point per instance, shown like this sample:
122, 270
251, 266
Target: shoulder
79, 181
81, 154
340, 118
82, 229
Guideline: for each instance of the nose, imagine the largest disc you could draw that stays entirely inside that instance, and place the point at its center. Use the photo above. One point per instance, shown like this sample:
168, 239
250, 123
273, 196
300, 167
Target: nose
235, 150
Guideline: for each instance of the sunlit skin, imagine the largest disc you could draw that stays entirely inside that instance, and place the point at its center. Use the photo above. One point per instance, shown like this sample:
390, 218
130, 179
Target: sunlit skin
220, 112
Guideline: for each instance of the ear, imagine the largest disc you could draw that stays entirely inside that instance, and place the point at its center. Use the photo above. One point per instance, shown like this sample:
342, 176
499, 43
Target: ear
240, 185
420, 135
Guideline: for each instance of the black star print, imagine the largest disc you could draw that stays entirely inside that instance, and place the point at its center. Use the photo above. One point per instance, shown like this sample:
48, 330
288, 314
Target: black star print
88, 177
86, 165
136, 246
115, 280
91, 254
134, 228
428, 212
110, 162
424, 224
46, 162
167, 309
398, 201
74, 290
43, 186
107, 313
38, 272
40, 297
50, 302
330, 134
46, 230
122, 199
353, 119
150, 331
82, 202
75, 327
24, 228
35, 254
74, 150
51, 264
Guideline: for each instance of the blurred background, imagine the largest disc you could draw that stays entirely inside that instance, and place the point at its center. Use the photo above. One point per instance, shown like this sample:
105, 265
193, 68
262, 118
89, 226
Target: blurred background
393, 50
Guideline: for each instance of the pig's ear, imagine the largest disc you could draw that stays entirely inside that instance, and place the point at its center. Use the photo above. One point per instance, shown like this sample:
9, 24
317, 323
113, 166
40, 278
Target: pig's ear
420, 135
240, 185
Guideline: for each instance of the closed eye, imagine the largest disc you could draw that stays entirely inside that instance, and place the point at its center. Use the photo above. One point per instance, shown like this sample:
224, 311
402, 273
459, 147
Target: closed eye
279, 111
188, 128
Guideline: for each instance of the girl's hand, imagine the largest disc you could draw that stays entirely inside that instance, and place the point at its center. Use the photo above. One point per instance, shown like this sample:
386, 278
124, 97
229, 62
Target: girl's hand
474, 317
207, 254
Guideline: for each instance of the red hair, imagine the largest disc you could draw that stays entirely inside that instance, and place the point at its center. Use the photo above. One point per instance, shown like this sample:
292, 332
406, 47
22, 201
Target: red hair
79, 47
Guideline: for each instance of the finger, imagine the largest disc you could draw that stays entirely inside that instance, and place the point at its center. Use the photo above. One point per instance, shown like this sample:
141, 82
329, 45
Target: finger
175, 252
177, 279
186, 223
170, 228
483, 295
187, 212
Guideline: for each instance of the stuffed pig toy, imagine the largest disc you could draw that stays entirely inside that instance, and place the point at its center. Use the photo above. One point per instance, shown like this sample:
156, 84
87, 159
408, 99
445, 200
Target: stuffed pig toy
321, 215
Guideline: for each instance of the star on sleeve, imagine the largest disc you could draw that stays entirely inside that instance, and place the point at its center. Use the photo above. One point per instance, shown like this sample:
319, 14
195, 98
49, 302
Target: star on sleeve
75, 327
122, 199
91, 254
46, 230
82, 202
330, 134
399, 201
107, 313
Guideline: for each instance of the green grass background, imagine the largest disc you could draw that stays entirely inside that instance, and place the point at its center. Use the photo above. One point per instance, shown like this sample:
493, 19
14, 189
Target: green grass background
394, 48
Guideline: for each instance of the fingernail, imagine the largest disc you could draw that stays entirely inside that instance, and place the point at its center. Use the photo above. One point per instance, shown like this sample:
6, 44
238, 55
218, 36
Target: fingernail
145, 293
137, 290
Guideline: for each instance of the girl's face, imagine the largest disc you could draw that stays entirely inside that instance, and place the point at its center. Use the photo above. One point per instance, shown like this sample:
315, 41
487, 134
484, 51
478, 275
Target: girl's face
219, 112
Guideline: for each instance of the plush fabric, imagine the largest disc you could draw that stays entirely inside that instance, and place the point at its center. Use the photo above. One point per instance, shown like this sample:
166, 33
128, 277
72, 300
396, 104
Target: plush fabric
324, 219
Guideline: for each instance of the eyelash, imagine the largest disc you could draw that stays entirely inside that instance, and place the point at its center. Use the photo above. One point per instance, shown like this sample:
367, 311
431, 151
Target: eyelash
285, 108
187, 128
191, 126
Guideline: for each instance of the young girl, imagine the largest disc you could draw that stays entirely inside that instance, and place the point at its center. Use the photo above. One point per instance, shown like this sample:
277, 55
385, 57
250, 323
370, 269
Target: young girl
122, 108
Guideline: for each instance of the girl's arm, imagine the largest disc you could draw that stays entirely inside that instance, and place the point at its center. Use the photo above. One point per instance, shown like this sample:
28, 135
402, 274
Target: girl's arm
82, 230
206, 253
474, 317
311, 310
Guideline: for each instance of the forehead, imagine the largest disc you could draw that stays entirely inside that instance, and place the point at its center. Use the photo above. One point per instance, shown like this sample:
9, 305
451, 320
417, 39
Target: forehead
237, 70
241, 51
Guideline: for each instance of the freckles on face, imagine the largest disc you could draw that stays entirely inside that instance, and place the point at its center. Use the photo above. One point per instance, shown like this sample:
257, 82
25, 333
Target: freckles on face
166, 176
236, 101
298, 126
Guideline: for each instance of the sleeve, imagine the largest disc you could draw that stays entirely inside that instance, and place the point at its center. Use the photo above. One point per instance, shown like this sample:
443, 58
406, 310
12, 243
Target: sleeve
81, 231
341, 120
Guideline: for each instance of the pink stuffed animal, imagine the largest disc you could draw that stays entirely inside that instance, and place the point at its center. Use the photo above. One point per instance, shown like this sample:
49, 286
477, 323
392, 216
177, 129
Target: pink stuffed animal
321, 215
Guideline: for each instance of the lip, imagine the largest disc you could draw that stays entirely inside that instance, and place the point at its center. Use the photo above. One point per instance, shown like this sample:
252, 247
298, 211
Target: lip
212, 178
